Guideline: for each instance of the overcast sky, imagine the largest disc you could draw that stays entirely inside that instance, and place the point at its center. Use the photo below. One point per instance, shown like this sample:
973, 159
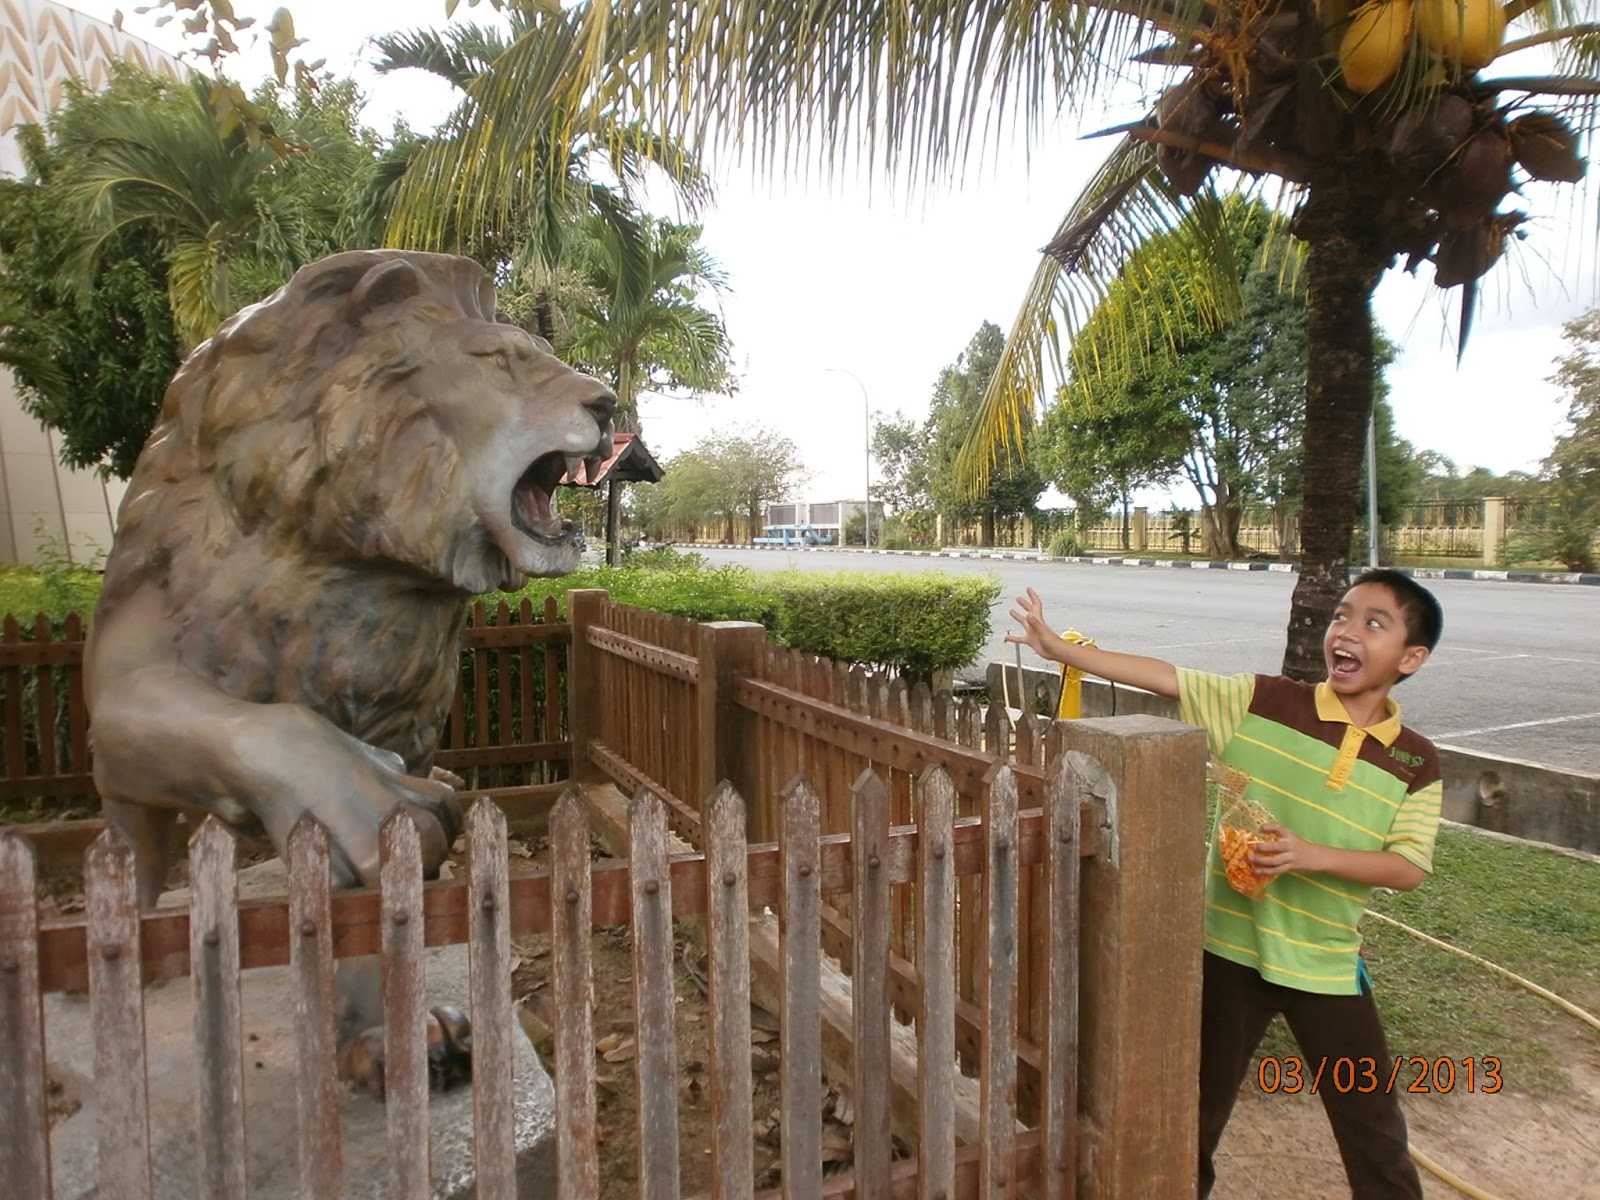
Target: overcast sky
830, 281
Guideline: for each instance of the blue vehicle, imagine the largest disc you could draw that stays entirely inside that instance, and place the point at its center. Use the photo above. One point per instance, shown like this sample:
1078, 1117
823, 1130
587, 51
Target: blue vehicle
793, 535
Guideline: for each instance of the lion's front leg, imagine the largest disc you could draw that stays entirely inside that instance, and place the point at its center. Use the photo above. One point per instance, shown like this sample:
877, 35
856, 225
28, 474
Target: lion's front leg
166, 739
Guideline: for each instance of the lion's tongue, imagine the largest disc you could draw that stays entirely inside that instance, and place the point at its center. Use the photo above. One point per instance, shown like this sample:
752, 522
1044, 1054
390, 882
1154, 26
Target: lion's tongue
533, 506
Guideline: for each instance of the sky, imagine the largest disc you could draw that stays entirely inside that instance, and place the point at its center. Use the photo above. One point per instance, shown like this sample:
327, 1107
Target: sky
850, 294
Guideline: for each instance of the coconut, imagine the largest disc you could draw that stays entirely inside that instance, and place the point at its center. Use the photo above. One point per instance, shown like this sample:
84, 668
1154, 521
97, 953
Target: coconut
1374, 44
1546, 147
1468, 32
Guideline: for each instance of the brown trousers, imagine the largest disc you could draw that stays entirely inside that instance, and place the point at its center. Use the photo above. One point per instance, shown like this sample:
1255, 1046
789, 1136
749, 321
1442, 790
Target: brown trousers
1236, 1007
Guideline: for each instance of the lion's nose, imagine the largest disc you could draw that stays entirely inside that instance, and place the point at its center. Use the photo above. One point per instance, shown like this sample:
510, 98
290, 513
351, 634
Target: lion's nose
602, 408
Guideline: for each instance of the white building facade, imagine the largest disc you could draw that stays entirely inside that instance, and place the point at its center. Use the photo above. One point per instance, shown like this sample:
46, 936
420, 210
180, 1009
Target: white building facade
43, 503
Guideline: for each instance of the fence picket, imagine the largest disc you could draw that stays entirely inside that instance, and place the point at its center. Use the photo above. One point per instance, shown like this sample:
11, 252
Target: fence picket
572, 992
214, 959
311, 966
405, 1013
45, 700
870, 987
77, 707
116, 1012
1058, 1117
998, 1073
16, 730
921, 708
800, 1024
728, 940
489, 961
25, 1148
653, 998
936, 1025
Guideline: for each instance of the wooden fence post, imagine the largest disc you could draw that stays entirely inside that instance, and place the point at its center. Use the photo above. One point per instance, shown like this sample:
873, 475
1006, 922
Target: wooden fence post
725, 733
584, 606
1139, 981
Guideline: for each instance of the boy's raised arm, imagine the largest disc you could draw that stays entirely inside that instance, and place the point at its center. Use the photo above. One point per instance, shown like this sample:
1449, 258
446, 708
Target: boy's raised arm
1134, 670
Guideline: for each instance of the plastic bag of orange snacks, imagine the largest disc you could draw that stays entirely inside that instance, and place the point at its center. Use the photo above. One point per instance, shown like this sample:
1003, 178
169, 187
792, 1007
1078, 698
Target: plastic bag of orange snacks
1238, 829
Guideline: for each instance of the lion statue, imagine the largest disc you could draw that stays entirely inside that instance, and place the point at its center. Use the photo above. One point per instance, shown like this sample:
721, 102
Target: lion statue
332, 475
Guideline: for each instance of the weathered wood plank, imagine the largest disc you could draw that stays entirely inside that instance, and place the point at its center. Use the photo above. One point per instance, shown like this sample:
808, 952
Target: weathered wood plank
998, 1067
164, 934
800, 1021
493, 1025
317, 1086
214, 952
25, 1149
405, 1009
728, 942
587, 680
936, 1025
653, 999
572, 991
116, 1016
869, 977
1058, 1120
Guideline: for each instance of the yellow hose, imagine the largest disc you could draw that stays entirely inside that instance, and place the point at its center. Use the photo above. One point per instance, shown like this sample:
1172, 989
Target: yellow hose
1544, 993
1421, 1159
1450, 1177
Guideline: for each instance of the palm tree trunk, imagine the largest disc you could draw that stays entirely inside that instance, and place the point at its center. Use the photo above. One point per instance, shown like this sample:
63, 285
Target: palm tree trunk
1344, 261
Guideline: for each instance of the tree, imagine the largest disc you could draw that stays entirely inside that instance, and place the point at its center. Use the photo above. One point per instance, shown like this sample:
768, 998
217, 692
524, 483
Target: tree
92, 361
1014, 486
1573, 465
643, 325
555, 177
236, 208
723, 478
901, 451
1393, 148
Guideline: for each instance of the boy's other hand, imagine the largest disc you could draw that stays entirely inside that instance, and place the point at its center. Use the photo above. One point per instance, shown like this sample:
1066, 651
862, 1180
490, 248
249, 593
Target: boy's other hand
1281, 851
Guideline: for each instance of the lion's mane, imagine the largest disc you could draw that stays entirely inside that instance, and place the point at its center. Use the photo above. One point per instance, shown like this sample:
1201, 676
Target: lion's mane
292, 424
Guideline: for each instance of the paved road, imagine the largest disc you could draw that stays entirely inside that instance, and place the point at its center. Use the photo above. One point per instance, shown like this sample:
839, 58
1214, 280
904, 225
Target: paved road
1517, 674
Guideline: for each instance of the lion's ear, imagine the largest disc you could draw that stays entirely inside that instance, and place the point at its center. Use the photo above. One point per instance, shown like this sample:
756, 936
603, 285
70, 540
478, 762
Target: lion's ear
391, 283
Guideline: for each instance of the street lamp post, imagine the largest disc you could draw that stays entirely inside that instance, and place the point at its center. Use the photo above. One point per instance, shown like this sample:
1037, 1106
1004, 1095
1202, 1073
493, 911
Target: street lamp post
866, 413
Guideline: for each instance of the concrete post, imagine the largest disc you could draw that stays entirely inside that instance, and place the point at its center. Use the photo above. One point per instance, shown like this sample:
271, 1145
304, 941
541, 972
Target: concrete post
1494, 529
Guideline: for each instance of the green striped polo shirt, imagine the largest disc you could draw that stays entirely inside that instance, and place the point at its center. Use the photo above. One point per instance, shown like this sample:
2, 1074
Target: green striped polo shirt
1329, 782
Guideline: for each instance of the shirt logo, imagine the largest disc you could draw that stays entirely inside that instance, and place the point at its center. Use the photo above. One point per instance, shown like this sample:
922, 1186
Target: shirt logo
1411, 760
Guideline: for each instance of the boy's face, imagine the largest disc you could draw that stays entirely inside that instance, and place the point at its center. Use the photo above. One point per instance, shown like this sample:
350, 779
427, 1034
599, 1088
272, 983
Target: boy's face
1365, 648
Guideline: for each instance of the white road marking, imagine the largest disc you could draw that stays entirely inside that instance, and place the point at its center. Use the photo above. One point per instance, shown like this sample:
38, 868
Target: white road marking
1219, 642
1461, 733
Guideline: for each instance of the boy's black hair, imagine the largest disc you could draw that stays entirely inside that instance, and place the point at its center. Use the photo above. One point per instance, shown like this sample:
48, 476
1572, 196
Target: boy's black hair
1424, 617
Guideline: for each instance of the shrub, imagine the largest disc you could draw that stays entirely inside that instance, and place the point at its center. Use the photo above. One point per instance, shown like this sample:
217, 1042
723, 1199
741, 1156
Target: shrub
1065, 544
916, 624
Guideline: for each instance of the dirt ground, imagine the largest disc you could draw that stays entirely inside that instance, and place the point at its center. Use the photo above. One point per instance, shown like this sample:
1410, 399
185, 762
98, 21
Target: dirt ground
1509, 1145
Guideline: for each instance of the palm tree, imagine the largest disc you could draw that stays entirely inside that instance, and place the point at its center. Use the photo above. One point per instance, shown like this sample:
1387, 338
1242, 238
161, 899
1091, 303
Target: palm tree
154, 155
1388, 138
642, 325
525, 201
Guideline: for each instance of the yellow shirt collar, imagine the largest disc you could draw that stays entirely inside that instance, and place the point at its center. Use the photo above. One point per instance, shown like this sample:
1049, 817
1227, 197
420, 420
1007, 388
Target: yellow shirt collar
1331, 708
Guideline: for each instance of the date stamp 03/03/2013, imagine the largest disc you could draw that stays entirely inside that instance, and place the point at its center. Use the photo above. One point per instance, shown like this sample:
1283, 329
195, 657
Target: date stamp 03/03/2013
1413, 1073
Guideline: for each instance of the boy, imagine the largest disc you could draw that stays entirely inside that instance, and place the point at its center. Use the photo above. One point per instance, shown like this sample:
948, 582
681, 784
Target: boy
1355, 797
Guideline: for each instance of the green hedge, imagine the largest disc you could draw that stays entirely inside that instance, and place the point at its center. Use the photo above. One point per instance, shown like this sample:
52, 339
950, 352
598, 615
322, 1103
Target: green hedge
917, 624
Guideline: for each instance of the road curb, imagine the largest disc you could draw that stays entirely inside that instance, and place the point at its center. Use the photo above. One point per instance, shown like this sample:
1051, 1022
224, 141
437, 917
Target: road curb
1590, 579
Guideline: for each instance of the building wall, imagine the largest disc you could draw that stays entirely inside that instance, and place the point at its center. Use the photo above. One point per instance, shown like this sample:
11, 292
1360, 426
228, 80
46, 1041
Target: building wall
43, 503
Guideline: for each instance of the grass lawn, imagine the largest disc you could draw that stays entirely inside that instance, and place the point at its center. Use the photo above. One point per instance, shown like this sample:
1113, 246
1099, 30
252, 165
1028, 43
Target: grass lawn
1534, 912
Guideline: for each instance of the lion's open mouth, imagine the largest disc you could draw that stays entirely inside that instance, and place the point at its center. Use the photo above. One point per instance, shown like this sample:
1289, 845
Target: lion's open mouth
532, 505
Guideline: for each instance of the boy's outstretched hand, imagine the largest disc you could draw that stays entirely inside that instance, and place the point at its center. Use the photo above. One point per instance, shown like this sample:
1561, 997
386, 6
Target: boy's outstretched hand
1036, 633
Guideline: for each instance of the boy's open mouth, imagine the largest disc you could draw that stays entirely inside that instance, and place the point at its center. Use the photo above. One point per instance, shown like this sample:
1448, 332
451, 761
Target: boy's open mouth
1344, 664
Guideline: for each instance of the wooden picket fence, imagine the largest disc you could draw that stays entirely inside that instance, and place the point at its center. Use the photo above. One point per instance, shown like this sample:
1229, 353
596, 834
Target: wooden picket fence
928, 847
